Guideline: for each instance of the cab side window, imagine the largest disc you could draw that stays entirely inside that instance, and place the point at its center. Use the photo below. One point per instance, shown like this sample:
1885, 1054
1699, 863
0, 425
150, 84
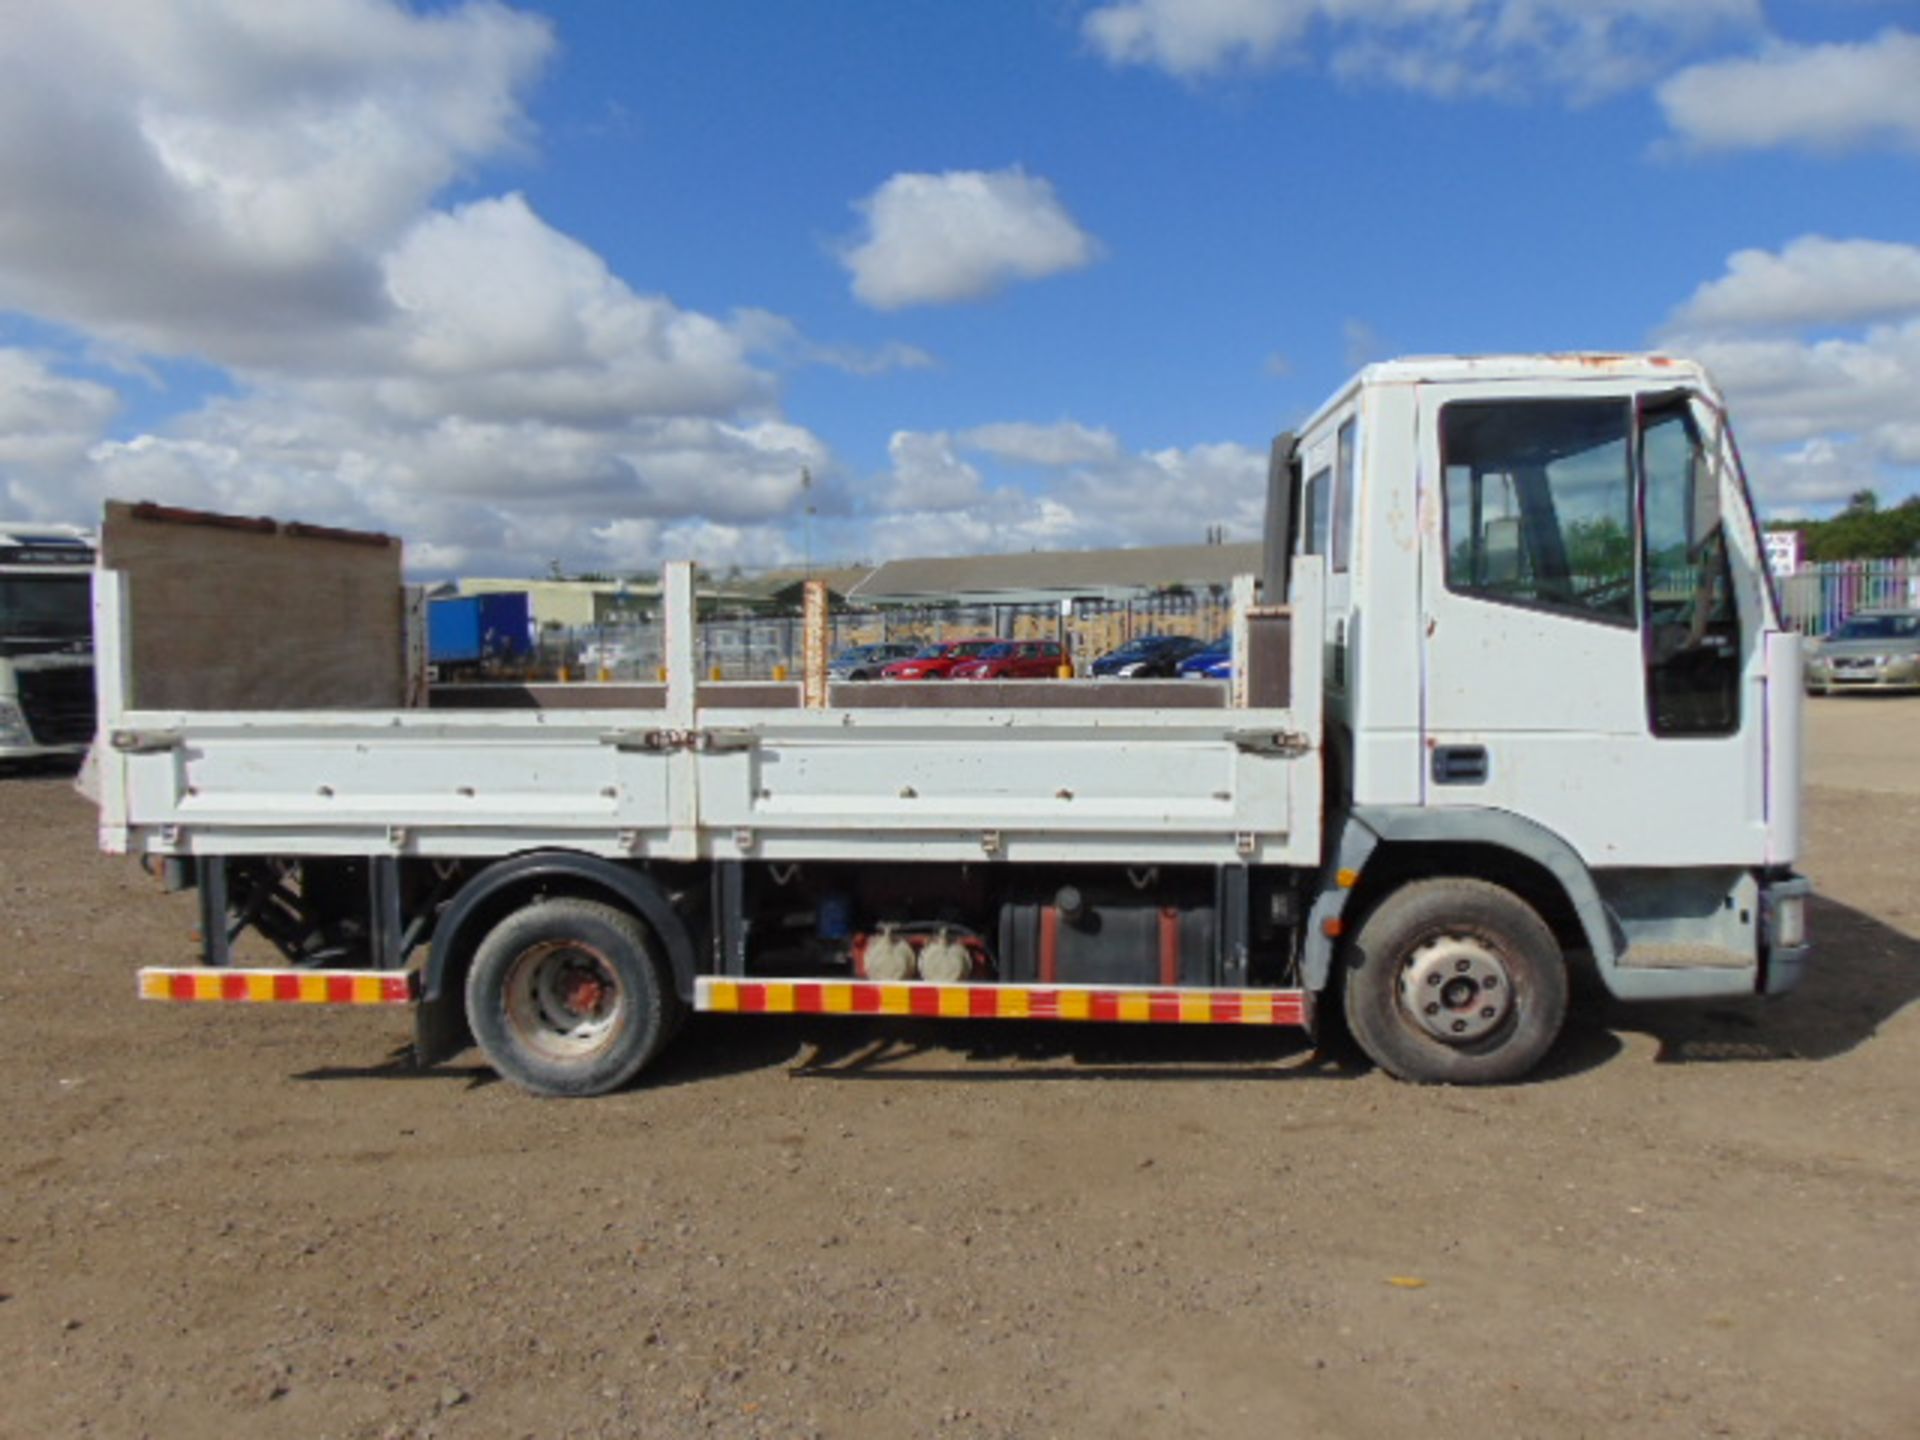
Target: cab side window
1693, 623
1317, 514
1340, 543
1539, 505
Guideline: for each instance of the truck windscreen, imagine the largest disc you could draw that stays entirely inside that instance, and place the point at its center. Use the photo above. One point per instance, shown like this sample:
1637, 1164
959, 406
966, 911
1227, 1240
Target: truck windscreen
46, 607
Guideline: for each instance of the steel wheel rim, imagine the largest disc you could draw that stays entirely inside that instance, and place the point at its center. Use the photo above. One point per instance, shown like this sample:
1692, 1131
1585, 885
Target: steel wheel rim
1456, 988
564, 999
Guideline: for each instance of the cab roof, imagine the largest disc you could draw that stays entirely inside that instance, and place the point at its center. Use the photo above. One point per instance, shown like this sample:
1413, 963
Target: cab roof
1558, 366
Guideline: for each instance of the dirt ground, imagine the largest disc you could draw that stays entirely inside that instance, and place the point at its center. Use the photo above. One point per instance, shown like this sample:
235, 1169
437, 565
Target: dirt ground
1699, 1220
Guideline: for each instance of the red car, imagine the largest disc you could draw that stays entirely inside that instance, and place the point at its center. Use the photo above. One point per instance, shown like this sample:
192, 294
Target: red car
1013, 660
934, 662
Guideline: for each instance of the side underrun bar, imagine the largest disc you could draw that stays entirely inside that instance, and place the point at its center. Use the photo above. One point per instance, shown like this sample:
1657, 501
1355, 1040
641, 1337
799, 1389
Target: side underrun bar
284, 987
1135, 1004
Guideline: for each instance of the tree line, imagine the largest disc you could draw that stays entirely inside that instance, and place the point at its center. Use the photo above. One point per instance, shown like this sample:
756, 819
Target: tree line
1862, 531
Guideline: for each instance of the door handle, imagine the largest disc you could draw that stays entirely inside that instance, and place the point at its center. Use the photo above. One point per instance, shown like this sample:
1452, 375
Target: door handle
1461, 765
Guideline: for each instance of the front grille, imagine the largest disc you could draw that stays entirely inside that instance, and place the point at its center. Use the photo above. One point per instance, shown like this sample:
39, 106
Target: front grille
58, 704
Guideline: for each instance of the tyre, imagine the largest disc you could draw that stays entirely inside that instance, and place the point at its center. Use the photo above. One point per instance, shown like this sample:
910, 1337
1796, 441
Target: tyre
570, 997
1455, 982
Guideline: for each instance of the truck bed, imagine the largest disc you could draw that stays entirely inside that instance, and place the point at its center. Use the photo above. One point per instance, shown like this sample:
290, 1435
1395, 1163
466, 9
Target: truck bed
1103, 771
1128, 786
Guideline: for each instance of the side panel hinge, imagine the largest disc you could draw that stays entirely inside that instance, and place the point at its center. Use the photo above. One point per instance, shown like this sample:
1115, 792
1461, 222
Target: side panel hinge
662, 742
1287, 744
144, 742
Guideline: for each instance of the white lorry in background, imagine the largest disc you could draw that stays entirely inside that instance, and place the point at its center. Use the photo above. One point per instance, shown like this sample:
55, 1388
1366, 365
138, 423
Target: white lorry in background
46, 640
1512, 696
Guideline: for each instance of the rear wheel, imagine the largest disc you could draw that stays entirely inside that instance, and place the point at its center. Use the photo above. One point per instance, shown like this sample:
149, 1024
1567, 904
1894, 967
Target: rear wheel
1455, 982
569, 997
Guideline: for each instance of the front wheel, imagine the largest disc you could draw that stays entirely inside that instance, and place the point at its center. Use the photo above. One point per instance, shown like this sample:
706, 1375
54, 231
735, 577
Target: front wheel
1455, 982
568, 997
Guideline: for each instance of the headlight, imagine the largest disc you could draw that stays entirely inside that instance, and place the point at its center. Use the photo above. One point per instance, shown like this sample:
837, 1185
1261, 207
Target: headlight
13, 725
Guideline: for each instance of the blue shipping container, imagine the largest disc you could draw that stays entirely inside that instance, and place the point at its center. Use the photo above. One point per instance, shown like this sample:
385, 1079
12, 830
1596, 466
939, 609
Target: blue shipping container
468, 629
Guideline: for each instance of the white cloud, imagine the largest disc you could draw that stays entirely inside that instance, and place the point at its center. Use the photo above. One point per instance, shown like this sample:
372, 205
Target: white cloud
1581, 48
495, 312
471, 494
962, 235
1191, 39
1814, 281
928, 475
227, 174
1818, 350
780, 340
1066, 442
1817, 97
47, 423
1900, 442
1097, 494
255, 186
41, 408
1816, 474
1798, 389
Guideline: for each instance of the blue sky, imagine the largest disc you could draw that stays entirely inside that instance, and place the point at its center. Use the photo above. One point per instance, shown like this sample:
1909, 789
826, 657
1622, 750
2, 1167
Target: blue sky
596, 281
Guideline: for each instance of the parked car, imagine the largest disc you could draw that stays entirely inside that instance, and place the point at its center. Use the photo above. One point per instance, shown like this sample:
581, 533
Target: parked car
865, 662
1145, 656
1876, 649
1013, 660
1213, 663
933, 662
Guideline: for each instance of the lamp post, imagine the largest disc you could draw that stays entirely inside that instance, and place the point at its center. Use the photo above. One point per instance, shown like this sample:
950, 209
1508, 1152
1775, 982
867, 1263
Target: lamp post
806, 494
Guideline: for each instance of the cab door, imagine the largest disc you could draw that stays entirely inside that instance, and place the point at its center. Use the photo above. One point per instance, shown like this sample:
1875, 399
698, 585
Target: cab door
1589, 663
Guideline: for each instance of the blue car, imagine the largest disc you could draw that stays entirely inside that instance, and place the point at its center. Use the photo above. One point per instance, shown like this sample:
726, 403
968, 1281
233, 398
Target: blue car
1146, 656
1213, 663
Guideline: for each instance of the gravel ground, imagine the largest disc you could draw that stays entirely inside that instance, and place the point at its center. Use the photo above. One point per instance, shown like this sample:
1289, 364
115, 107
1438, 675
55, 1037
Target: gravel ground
1697, 1220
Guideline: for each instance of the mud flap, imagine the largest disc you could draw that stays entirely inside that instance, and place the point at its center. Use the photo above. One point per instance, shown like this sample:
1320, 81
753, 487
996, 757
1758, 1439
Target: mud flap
440, 1030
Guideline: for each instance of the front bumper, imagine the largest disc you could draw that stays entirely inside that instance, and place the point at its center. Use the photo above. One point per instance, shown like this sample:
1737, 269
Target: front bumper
1827, 675
20, 739
1784, 939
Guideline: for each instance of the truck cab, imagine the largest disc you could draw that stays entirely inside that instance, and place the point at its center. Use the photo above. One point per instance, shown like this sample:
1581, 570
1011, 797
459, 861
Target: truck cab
1552, 648
46, 641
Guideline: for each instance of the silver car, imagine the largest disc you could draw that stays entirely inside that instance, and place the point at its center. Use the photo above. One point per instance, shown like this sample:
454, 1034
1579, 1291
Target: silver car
1873, 650
865, 662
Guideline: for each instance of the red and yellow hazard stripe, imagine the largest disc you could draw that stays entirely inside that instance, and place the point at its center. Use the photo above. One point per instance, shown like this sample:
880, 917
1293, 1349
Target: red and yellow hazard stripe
285, 987
1145, 1005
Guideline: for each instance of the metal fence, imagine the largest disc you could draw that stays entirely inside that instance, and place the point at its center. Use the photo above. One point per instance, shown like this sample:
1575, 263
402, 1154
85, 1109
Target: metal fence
761, 647
1817, 598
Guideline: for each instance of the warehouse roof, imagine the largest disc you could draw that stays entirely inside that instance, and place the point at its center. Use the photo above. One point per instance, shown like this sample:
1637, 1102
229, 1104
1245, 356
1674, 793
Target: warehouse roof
1040, 576
783, 587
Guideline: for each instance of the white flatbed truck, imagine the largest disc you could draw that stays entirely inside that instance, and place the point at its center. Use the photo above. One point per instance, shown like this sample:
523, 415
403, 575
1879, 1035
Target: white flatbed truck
1512, 694
46, 641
